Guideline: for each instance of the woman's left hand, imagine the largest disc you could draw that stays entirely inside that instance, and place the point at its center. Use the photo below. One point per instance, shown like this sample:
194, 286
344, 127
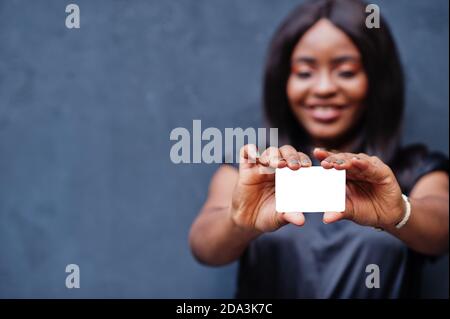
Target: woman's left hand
373, 195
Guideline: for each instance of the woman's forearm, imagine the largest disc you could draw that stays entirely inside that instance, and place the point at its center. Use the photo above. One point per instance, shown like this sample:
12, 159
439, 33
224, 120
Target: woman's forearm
215, 239
427, 228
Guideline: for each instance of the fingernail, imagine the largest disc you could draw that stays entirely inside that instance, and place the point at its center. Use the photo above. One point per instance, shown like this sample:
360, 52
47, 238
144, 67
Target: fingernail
327, 160
305, 161
293, 161
324, 222
340, 162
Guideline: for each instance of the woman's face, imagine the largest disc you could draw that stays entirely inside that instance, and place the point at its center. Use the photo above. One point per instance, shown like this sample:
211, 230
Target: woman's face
327, 85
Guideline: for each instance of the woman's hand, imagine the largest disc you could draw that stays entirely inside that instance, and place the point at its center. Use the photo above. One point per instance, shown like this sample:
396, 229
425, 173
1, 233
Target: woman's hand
253, 202
373, 195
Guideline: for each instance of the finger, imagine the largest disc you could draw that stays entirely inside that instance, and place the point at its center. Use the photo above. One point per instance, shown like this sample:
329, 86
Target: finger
321, 153
264, 158
360, 163
355, 167
248, 153
263, 161
265, 170
290, 154
304, 160
359, 166
332, 217
294, 218
272, 158
328, 162
339, 161
371, 169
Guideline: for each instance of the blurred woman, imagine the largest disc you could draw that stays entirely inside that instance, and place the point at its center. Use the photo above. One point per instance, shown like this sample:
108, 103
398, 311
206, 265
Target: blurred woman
335, 91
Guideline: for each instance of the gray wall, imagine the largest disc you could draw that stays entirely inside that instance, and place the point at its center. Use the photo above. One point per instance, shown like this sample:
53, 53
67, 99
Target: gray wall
85, 117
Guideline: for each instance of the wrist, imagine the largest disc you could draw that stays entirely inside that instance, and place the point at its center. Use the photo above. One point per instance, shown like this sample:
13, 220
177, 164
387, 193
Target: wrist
239, 230
402, 215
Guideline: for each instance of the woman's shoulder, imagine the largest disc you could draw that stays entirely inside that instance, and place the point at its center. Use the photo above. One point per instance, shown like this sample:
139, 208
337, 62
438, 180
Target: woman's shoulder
416, 160
420, 154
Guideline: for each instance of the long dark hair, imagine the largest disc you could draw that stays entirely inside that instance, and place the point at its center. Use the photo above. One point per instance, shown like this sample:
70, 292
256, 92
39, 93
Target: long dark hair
381, 123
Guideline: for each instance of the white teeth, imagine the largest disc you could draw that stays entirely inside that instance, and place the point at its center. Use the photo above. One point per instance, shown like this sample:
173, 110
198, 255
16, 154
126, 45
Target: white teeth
323, 107
324, 112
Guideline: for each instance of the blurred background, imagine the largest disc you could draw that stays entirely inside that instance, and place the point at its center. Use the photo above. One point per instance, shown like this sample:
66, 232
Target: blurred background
85, 118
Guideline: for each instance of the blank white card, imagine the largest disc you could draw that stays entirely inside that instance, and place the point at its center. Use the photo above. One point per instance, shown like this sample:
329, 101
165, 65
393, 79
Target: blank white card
309, 189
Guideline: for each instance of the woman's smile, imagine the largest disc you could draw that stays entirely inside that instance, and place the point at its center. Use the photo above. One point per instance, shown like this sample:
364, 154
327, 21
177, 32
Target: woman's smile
324, 113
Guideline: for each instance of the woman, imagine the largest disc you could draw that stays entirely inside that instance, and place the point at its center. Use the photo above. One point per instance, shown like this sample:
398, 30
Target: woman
330, 82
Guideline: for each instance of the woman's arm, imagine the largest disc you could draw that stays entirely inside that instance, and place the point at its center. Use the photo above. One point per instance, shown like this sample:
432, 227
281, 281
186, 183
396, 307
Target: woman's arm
241, 205
374, 199
427, 228
214, 238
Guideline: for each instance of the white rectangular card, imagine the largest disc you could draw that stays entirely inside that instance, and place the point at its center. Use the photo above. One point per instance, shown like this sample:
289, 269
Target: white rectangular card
309, 189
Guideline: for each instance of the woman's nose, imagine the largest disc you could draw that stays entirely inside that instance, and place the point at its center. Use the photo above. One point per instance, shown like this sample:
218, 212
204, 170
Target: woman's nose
324, 86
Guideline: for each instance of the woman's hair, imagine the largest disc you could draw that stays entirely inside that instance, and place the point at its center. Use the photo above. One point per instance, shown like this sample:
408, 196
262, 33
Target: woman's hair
381, 122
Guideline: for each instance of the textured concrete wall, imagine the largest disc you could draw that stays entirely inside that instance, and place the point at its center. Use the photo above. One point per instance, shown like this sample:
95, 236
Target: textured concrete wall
85, 117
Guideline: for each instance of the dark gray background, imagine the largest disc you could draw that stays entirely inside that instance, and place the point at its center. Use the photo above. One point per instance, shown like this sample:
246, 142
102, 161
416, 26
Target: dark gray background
85, 117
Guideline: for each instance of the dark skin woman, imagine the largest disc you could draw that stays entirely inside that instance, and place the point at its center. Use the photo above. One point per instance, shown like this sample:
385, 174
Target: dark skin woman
335, 90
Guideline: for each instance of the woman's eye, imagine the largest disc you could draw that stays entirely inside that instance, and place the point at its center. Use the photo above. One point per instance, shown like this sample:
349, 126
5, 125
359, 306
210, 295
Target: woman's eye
303, 75
346, 74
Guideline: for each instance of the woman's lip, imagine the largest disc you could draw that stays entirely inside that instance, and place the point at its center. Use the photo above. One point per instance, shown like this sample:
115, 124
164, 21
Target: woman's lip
325, 113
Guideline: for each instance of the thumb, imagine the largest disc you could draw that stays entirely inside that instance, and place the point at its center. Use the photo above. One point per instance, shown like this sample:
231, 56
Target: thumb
321, 153
331, 217
294, 218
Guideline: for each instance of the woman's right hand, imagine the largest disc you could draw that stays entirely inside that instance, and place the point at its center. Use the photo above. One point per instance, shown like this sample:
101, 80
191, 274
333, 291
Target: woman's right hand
253, 201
